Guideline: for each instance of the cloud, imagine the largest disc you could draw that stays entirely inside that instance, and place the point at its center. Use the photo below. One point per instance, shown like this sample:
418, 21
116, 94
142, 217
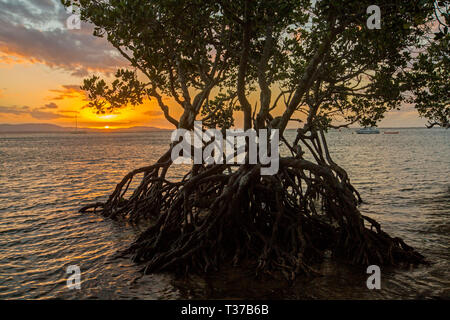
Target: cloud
14, 110
36, 12
51, 105
35, 113
68, 111
69, 92
34, 31
43, 115
152, 113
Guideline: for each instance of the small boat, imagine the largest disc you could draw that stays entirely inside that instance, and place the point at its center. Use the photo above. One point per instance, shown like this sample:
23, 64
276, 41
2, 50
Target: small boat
76, 127
391, 132
368, 130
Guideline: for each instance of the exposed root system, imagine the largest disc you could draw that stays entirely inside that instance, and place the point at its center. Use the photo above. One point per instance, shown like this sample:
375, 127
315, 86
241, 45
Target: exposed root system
219, 215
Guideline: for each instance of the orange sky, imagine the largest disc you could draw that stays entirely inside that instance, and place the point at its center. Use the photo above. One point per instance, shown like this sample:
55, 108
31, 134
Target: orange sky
42, 65
31, 92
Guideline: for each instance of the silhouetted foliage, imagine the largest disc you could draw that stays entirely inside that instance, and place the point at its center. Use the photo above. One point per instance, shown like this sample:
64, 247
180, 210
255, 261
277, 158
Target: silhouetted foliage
306, 62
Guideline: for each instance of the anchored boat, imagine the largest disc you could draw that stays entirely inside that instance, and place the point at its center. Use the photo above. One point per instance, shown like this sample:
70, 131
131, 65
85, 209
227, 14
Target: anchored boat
368, 130
76, 127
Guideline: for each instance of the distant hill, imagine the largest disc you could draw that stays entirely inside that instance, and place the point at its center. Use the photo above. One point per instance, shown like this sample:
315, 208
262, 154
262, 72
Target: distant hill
46, 128
32, 127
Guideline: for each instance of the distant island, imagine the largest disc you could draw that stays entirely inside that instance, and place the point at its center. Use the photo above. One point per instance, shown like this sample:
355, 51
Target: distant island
50, 128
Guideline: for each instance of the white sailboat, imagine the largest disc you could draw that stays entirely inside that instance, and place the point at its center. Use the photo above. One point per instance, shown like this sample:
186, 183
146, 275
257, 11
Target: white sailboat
368, 130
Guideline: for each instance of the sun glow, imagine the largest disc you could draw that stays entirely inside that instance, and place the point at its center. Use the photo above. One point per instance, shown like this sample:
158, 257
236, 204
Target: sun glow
108, 116
106, 127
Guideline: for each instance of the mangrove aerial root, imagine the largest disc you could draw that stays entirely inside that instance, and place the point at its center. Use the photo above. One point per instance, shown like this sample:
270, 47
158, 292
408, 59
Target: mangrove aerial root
278, 224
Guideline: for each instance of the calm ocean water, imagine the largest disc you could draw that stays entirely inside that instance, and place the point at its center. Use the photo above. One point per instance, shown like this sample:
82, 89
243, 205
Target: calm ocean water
45, 178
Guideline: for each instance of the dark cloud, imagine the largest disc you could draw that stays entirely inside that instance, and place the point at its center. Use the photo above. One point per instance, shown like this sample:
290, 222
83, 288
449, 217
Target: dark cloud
51, 105
36, 31
44, 115
14, 110
69, 111
69, 91
152, 113
36, 113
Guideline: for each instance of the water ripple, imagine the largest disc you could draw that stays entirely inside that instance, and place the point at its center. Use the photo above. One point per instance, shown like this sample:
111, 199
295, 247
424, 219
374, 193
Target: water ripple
44, 178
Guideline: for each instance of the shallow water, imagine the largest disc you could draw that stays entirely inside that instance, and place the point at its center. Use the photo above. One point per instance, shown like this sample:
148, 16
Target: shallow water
45, 178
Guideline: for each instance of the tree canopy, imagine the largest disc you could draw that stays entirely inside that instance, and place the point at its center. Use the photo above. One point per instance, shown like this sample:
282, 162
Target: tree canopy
278, 62
428, 78
313, 60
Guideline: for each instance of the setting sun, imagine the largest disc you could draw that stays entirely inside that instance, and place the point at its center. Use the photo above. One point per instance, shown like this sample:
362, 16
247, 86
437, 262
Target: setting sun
106, 127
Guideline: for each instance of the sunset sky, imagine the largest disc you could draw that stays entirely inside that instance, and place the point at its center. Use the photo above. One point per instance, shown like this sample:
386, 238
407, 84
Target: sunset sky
43, 63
